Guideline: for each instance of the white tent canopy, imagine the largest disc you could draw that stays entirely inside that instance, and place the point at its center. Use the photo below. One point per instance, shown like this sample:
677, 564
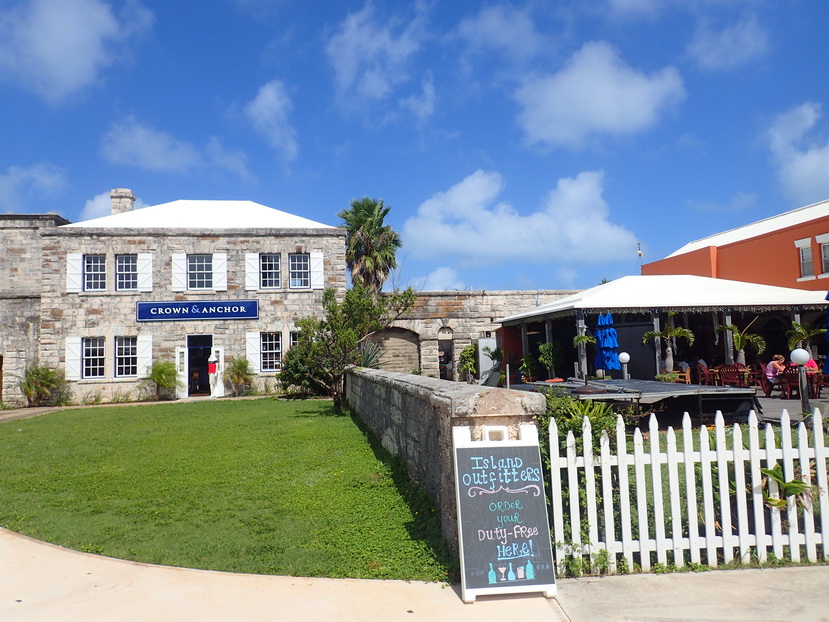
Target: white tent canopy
636, 294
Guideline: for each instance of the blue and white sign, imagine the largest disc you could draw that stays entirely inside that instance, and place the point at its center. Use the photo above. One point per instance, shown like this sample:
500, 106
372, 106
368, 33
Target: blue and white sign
197, 310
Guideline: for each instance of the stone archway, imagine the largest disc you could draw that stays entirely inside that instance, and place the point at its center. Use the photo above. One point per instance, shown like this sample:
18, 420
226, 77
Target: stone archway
401, 349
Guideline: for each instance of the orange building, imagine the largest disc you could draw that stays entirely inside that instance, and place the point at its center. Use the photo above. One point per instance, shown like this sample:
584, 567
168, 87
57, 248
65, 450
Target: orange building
787, 250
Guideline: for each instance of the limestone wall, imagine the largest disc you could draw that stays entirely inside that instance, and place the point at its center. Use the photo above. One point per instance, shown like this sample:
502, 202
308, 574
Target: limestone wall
112, 313
464, 316
413, 417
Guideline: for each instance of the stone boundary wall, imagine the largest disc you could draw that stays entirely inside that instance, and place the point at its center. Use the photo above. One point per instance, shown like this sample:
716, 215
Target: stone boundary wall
413, 417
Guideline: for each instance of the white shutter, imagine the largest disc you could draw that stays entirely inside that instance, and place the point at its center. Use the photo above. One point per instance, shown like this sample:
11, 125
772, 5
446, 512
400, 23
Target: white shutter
317, 276
179, 272
220, 272
72, 367
145, 272
252, 350
251, 270
145, 355
74, 272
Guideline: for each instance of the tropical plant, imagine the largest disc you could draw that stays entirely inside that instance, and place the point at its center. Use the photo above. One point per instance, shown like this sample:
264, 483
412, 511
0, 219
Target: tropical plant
164, 377
371, 245
741, 339
550, 355
467, 361
802, 492
371, 355
801, 335
584, 340
238, 375
42, 385
529, 366
329, 345
666, 337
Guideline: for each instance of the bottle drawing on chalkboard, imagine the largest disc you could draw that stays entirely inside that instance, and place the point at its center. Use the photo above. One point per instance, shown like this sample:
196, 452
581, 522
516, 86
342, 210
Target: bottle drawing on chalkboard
491, 575
511, 573
530, 569
519, 572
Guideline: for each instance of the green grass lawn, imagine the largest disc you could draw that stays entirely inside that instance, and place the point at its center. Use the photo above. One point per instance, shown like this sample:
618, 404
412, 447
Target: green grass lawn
257, 486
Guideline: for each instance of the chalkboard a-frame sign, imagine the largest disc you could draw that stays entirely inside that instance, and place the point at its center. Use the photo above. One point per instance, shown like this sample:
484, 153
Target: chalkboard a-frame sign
503, 529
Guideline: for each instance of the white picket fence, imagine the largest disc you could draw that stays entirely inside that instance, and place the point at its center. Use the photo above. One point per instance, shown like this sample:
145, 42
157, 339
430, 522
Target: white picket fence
707, 502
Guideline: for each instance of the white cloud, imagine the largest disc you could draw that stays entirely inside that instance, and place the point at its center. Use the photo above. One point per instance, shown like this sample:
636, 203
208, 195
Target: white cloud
58, 48
138, 144
421, 106
268, 112
440, 279
596, 93
469, 224
135, 144
21, 184
234, 161
802, 164
101, 205
370, 58
502, 29
730, 47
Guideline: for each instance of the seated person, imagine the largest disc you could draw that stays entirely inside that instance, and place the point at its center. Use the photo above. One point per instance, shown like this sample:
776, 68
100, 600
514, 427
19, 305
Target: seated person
773, 370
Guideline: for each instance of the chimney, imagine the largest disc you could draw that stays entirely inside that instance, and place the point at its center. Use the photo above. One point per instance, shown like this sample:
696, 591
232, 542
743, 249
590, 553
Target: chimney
123, 200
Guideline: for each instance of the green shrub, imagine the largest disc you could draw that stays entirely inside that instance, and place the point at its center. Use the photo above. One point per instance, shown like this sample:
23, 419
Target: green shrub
119, 396
94, 397
239, 375
44, 386
163, 378
467, 361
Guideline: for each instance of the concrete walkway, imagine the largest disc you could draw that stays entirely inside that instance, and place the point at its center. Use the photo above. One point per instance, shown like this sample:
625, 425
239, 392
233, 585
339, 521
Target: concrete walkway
42, 582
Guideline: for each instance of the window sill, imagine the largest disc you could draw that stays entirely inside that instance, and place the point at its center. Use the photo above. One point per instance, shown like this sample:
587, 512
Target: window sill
825, 275
806, 278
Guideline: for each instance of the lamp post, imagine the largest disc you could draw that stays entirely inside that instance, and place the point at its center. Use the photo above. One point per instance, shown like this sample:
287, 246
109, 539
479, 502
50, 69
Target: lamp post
800, 357
624, 359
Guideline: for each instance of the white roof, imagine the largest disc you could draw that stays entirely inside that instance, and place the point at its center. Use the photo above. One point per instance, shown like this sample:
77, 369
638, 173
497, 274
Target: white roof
761, 227
632, 294
203, 215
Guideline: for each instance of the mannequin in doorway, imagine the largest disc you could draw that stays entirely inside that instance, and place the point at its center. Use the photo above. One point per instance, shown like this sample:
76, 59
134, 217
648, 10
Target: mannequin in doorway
213, 373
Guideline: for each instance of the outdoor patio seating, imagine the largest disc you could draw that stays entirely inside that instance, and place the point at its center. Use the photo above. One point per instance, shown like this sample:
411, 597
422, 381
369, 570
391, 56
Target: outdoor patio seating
790, 383
731, 376
707, 376
684, 376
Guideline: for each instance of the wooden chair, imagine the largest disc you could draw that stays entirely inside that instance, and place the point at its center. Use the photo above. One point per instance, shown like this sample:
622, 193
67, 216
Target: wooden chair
707, 376
684, 376
790, 382
755, 375
730, 376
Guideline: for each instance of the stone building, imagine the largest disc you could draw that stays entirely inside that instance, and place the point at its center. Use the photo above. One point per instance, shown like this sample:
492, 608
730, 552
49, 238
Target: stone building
441, 324
104, 298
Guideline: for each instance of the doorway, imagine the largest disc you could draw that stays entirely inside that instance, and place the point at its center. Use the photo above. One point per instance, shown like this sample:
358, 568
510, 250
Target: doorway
199, 348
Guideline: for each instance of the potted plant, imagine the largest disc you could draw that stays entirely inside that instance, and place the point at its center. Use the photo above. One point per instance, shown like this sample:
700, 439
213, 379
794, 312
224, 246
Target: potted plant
550, 355
666, 337
528, 368
467, 362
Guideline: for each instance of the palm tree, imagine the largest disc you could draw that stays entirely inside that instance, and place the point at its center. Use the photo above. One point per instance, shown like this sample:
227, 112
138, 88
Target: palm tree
667, 335
741, 339
370, 244
803, 333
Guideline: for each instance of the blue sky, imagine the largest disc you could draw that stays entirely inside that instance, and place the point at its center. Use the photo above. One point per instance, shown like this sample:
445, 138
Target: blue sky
520, 145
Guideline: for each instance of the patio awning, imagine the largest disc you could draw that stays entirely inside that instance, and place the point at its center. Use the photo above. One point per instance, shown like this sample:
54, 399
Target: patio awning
639, 294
